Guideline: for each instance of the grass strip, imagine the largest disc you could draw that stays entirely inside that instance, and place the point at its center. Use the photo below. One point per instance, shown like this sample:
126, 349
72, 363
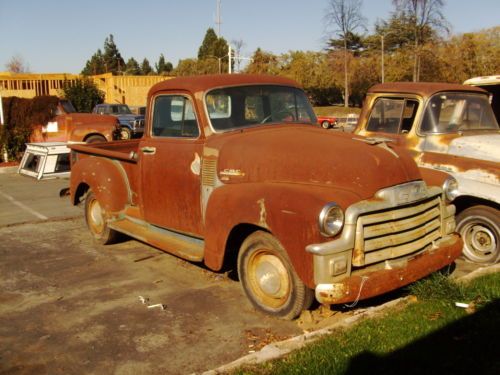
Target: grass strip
431, 336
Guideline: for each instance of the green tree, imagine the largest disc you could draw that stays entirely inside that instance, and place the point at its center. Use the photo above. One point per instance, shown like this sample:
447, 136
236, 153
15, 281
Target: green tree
146, 68
95, 65
214, 48
162, 66
263, 63
186, 67
113, 61
132, 67
84, 94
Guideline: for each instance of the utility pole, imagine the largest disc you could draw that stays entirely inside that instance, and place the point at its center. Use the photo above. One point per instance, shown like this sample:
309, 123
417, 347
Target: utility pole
217, 18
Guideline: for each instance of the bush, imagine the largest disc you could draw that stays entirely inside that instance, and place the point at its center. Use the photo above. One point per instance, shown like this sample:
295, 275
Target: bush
20, 117
84, 94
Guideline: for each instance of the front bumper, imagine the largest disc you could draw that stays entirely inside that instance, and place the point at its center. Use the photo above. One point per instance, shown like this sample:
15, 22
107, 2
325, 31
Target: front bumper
378, 279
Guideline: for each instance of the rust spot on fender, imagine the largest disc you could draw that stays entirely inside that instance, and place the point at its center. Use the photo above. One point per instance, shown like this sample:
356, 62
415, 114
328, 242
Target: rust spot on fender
263, 213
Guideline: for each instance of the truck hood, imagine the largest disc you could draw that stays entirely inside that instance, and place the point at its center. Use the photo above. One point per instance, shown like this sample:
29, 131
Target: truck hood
483, 147
310, 155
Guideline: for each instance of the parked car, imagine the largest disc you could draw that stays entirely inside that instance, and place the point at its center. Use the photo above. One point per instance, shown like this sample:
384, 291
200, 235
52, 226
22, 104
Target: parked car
131, 125
492, 85
327, 122
231, 173
451, 128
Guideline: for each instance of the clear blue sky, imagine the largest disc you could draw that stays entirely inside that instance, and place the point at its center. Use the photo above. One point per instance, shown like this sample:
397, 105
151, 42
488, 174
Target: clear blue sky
56, 36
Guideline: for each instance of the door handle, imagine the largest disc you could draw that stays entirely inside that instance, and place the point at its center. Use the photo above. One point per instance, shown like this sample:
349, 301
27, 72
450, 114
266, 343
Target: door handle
148, 150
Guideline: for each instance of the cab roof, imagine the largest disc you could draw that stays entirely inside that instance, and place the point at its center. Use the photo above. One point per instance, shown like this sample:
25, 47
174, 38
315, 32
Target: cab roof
207, 82
424, 89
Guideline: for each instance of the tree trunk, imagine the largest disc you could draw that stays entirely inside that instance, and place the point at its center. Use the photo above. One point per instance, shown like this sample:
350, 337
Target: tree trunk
346, 81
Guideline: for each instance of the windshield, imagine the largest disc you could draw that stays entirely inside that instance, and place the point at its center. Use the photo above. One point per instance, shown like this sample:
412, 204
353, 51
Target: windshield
120, 110
454, 112
68, 106
244, 106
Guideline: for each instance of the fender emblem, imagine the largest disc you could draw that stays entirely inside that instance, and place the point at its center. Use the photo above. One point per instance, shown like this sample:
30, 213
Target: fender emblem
232, 172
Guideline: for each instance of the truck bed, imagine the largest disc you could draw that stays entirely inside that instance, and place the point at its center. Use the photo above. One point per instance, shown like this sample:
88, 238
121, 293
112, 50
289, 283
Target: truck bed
121, 150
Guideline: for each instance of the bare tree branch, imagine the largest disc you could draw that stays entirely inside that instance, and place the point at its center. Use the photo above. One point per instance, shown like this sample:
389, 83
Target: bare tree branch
344, 17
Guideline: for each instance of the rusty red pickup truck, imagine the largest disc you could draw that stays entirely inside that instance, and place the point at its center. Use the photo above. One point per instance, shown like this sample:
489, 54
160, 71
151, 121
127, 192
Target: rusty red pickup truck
233, 171
70, 126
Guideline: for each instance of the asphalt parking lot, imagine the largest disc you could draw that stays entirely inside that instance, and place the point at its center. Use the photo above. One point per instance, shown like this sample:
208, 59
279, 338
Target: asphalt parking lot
70, 306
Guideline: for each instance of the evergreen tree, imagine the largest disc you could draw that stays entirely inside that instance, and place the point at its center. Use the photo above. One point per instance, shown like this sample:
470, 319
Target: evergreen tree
146, 67
132, 67
214, 47
95, 65
113, 61
163, 67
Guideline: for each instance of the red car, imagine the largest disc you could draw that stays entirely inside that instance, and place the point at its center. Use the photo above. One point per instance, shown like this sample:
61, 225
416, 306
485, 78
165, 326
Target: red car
327, 122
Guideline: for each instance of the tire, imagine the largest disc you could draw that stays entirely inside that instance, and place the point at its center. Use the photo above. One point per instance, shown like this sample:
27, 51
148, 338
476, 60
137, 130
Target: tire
479, 228
325, 125
125, 133
268, 278
96, 222
95, 139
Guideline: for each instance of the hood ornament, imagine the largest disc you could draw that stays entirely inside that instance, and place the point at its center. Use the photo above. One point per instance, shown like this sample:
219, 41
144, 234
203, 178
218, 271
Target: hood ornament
380, 142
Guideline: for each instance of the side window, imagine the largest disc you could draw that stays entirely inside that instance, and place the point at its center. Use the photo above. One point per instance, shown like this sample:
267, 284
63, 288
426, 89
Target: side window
409, 114
173, 116
393, 115
385, 116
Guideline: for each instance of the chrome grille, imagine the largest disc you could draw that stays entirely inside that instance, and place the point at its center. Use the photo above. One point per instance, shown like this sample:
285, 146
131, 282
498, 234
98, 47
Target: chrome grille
394, 233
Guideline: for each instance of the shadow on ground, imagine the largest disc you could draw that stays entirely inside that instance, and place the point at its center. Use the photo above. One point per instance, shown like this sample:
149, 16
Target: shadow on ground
468, 346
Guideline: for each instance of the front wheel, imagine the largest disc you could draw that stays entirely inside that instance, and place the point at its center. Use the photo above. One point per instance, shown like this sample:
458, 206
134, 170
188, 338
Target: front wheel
125, 133
479, 228
325, 124
268, 278
96, 221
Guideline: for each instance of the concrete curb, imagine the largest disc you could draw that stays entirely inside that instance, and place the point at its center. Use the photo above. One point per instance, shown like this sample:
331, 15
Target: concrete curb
280, 349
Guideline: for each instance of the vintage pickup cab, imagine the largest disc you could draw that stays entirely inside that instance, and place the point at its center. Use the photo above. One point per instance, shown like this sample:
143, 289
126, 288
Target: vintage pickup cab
451, 128
233, 170
70, 126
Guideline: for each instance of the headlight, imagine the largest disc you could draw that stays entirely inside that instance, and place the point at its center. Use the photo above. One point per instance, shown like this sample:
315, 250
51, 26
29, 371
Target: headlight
331, 220
450, 188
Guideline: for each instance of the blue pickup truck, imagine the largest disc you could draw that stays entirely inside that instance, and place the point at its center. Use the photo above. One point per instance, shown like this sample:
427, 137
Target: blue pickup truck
131, 125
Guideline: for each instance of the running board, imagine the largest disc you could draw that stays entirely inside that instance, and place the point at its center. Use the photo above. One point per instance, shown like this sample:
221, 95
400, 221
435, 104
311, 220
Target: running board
183, 246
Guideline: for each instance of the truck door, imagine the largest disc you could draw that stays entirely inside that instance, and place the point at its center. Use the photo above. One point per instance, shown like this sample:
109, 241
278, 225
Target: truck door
170, 163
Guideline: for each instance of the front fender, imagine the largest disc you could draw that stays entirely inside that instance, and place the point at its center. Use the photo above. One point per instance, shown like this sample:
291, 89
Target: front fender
288, 211
106, 178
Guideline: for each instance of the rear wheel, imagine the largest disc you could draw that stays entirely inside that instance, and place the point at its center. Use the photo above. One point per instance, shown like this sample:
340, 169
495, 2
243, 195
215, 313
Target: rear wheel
268, 278
325, 124
479, 228
96, 221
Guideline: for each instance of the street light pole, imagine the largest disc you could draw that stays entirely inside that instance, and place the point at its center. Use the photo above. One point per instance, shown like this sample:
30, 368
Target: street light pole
382, 46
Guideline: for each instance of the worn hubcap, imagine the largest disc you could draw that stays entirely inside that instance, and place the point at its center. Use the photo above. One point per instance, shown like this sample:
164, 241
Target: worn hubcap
482, 239
269, 278
480, 242
95, 215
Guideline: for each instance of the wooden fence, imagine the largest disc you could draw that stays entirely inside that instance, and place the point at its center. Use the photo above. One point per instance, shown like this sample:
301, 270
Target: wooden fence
131, 90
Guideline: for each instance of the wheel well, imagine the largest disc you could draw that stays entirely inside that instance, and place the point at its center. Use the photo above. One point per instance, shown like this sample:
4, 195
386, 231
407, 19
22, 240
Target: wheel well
236, 237
80, 193
465, 201
94, 134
